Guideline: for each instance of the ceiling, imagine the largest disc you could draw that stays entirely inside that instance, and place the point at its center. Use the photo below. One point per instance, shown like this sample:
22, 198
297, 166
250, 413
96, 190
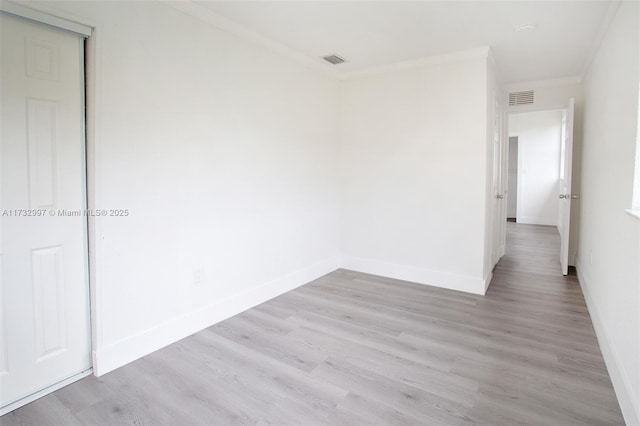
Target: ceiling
379, 33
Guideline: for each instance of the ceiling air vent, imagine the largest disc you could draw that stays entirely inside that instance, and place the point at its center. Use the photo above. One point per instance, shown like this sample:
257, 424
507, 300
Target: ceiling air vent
334, 59
521, 98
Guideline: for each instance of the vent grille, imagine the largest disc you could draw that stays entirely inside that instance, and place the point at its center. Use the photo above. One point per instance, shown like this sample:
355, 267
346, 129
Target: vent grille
521, 98
334, 59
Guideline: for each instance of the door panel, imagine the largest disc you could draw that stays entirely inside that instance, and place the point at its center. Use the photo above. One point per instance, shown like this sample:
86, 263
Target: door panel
45, 334
499, 210
566, 162
512, 181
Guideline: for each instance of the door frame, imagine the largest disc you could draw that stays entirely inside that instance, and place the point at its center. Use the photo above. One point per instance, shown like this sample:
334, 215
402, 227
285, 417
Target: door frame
508, 114
49, 16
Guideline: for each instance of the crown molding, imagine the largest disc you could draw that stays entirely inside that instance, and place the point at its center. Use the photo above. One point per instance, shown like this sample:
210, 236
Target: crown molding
611, 12
32, 14
480, 52
208, 16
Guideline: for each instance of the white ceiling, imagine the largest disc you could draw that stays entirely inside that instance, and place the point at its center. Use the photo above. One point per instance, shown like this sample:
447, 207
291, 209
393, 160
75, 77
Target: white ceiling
378, 33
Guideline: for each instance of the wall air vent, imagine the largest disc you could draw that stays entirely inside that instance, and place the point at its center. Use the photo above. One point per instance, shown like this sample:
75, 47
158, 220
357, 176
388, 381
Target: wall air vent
334, 59
521, 98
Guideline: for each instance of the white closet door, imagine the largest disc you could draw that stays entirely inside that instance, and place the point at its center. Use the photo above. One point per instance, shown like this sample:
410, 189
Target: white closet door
44, 330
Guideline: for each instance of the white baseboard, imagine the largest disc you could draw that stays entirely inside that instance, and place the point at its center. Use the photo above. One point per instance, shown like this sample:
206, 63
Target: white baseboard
487, 281
629, 403
417, 274
117, 354
533, 220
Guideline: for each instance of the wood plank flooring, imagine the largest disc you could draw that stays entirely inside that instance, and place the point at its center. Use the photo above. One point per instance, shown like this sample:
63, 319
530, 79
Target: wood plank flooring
356, 349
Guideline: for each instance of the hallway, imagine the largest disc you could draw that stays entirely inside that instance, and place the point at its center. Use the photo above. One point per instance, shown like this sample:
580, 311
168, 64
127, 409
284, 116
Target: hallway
351, 348
532, 249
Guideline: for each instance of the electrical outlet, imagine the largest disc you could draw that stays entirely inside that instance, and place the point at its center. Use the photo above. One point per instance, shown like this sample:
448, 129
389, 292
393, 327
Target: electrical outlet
197, 276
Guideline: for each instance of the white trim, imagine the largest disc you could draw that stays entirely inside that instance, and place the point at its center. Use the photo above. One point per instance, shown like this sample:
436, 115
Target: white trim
30, 398
93, 97
129, 349
479, 52
488, 277
208, 16
629, 403
417, 274
529, 109
44, 18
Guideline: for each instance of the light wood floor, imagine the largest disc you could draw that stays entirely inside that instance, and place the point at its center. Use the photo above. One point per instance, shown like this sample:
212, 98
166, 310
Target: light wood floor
356, 349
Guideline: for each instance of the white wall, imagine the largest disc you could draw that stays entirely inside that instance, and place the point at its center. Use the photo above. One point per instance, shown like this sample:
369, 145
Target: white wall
549, 94
413, 187
226, 156
609, 251
539, 135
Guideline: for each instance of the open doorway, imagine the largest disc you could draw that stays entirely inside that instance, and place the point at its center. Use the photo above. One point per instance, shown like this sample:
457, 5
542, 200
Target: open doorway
535, 166
539, 178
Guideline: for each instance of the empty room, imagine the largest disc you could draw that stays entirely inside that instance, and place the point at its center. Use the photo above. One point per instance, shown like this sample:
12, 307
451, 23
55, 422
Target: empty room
319, 212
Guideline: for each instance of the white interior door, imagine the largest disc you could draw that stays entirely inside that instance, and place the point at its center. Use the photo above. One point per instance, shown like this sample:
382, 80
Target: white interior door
512, 181
566, 161
499, 185
44, 330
